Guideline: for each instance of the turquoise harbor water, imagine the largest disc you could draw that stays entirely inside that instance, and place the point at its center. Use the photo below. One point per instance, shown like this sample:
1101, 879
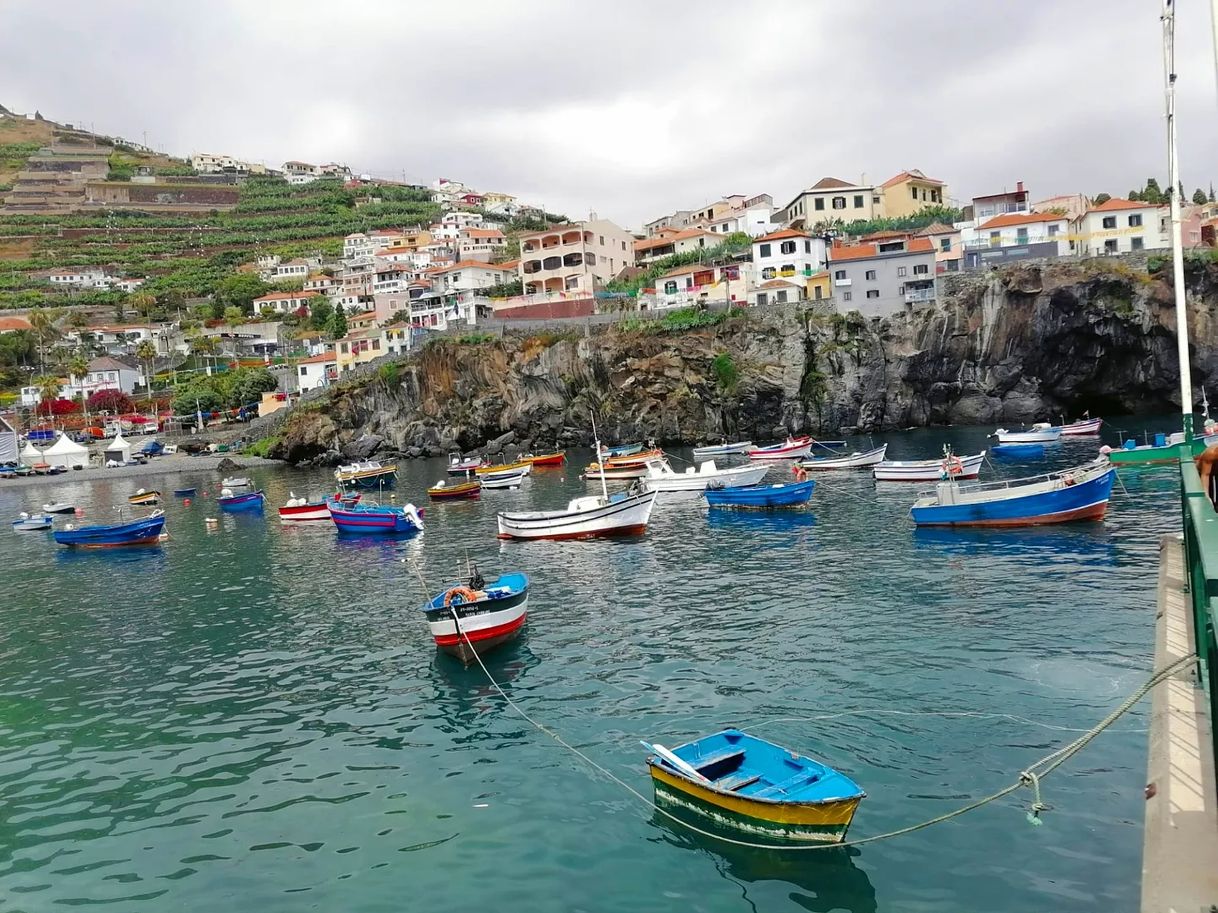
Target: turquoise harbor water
254, 718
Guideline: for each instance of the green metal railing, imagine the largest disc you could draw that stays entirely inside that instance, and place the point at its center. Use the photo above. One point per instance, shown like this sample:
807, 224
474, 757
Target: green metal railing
1201, 562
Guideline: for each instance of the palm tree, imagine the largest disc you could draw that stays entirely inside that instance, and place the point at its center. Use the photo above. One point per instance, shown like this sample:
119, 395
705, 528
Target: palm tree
48, 386
146, 353
43, 322
78, 366
143, 302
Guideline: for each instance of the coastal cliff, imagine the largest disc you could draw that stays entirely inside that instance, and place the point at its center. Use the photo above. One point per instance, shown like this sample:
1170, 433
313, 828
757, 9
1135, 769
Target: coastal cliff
1025, 343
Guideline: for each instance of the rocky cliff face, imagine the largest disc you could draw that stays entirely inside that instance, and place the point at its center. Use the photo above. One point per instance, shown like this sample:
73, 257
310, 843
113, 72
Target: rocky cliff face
1028, 343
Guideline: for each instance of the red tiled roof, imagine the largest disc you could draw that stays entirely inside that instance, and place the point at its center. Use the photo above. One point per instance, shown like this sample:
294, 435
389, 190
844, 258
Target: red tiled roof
362, 315
914, 175
781, 234
1116, 204
508, 265
484, 232
884, 235
863, 251
9, 324
317, 359
1023, 218
684, 235
778, 283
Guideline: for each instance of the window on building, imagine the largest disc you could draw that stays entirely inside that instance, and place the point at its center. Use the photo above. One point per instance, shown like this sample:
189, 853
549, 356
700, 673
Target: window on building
1135, 221
1136, 244
602, 237
761, 299
763, 250
1021, 236
839, 274
781, 297
670, 287
787, 269
869, 275
875, 201
787, 247
921, 269
623, 245
945, 244
858, 201
768, 273
1110, 221
590, 258
846, 296
873, 293
1110, 246
807, 247
376, 345
995, 239
839, 202
900, 271
1053, 229
913, 191
820, 203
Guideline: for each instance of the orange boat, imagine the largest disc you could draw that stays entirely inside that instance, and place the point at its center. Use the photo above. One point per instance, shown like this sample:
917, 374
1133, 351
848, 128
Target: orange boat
634, 460
445, 491
548, 459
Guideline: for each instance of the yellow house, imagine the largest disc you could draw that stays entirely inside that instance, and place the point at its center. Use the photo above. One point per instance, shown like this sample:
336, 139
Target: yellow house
820, 286
411, 240
357, 348
911, 191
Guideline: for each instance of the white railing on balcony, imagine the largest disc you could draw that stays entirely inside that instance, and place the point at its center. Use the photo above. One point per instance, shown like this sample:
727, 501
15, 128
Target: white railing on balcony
843, 283
920, 294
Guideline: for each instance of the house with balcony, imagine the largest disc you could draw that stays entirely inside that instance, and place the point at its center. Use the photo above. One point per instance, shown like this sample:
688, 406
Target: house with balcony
669, 241
883, 277
578, 257
778, 291
787, 254
459, 283
390, 276
987, 206
751, 215
356, 348
291, 270
479, 244
284, 302
829, 199
322, 284
701, 285
392, 305
361, 320
1016, 236
1121, 226
909, 192
316, 371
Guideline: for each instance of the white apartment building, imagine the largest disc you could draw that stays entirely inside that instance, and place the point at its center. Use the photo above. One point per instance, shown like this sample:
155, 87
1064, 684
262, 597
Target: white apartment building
787, 254
316, 371
208, 163
1121, 226
829, 199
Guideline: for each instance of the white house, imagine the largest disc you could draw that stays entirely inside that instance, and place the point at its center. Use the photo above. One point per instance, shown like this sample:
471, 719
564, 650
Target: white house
104, 373
1015, 236
284, 302
460, 281
290, 270
1120, 226
787, 254
358, 244
479, 243
316, 371
390, 276
700, 284
79, 277
669, 241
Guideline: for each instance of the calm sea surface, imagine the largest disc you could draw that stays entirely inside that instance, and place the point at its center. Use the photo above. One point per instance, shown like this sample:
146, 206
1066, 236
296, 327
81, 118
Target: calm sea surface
253, 717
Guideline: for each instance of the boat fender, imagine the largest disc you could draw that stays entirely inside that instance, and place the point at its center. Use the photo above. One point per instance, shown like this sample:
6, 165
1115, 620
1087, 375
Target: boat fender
458, 595
953, 466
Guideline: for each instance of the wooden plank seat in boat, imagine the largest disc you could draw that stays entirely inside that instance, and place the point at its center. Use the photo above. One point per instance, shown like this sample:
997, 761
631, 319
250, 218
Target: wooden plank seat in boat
719, 764
800, 779
740, 781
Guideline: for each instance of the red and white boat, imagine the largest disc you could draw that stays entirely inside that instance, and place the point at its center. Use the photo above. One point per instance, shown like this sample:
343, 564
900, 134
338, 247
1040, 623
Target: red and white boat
1088, 427
459, 465
793, 448
487, 614
302, 510
620, 514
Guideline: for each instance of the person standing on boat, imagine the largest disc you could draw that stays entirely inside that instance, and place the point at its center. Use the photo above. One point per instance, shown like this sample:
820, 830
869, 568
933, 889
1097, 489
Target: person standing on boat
1206, 462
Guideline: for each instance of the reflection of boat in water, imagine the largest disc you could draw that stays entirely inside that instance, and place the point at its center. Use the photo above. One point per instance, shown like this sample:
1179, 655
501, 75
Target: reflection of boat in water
826, 879
1090, 542
748, 522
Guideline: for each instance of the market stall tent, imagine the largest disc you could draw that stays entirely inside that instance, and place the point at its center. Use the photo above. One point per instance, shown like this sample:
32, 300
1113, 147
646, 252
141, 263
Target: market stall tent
118, 450
67, 453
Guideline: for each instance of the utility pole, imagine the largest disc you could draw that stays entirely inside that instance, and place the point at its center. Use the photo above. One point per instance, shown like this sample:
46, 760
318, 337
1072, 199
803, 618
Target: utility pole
1177, 252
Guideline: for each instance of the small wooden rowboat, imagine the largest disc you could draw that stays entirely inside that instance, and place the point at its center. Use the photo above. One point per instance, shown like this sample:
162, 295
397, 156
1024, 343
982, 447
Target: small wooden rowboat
146, 531
142, 497
459, 465
443, 491
861, 460
950, 466
621, 450
793, 448
504, 469
608, 472
27, 523
714, 450
762, 497
1088, 427
1040, 433
547, 459
369, 519
489, 614
504, 480
634, 459
249, 500
59, 507
184, 492
302, 510
619, 514
743, 782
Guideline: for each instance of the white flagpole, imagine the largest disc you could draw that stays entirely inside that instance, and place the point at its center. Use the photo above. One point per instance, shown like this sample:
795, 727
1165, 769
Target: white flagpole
1177, 251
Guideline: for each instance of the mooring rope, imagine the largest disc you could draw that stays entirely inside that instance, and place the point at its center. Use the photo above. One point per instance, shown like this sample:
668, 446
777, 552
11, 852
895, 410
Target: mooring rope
1030, 777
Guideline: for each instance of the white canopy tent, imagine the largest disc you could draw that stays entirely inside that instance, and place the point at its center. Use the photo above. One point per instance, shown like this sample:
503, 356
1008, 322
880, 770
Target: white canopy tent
8, 442
30, 454
67, 453
118, 450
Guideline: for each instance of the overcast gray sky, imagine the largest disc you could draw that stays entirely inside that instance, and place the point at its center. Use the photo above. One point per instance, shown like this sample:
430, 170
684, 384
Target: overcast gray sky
633, 108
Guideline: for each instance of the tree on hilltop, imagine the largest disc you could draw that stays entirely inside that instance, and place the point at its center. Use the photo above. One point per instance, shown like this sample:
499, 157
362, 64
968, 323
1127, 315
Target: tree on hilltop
1199, 197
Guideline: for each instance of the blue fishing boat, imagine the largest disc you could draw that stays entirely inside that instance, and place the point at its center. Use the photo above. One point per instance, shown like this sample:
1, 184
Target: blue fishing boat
183, 492
622, 450
740, 781
1018, 451
1081, 493
28, 523
489, 614
369, 519
145, 531
762, 497
249, 500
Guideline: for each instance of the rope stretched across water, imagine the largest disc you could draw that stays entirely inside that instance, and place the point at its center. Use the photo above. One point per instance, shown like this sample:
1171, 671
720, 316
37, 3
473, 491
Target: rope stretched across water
1030, 777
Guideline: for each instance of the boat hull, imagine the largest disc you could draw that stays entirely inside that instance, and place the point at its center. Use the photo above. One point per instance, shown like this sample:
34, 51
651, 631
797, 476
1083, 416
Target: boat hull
118, 535
626, 516
864, 460
1086, 428
372, 521
702, 453
611, 473
792, 450
385, 479
146, 499
1149, 456
482, 632
549, 459
305, 513
238, 503
767, 497
467, 491
926, 470
819, 822
1087, 500
696, 481
1028, 437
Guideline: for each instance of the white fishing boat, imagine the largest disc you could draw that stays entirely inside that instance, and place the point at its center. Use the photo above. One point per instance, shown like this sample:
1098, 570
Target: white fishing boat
596, 472
504, 480
1087, 427
858, 460
793, 448
25, 523
1040, 433
235, 482
714, 450
59, 507
459, 465
622, 514
949, 466
304, 510
662, 477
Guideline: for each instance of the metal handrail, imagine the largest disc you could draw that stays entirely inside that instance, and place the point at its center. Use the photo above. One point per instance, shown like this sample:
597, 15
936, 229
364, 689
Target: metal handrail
999, 484
1201, 558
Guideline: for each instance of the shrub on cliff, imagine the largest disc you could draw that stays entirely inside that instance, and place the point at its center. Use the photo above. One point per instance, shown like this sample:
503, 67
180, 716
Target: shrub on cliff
727, 375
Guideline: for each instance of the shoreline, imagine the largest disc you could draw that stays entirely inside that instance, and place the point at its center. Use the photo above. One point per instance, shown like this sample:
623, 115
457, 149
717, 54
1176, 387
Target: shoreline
163, 465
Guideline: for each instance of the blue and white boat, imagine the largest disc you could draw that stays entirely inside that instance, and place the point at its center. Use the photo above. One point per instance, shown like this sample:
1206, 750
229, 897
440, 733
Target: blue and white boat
489, 614
29, 523
249, 500
145, 531
370, 519
714, 450
762, 497
1018, 451
184, 492
1081, 493
622, 450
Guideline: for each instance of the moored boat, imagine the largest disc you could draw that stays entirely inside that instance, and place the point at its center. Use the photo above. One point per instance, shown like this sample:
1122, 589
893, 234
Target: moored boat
487, 614
183, 492
620, 514
1169, 451
247, 500
59, 507
762, 497
620, 450
459, 465
144, 531
714, 450
443, 491
303, 510
662, 477
365, 518
858, 460
557, 458
793, 448
744, 782
1081, 493
1087, 427
235, 482
1040, 433
29, 523
504, 480
367, 474
144, 498
1018, 451
504, 469
608, 472
949, 465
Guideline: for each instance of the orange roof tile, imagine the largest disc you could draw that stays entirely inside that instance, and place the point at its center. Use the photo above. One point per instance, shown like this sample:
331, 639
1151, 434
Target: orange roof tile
284, 296
863, 251
885, 235
831, 184
1023, 218
484, 232
781, 234
508, 265
778, 283
685, 235
317, 359
9, 324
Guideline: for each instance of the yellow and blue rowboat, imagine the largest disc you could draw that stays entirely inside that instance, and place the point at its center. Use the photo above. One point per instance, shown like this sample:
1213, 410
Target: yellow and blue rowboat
748, 784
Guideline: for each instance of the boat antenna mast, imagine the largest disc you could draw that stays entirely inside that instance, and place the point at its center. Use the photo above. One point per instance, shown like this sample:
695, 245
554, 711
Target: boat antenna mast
600, 457
1173, 191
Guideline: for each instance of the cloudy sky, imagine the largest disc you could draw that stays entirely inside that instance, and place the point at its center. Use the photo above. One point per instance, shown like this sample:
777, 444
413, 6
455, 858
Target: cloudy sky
633, 108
